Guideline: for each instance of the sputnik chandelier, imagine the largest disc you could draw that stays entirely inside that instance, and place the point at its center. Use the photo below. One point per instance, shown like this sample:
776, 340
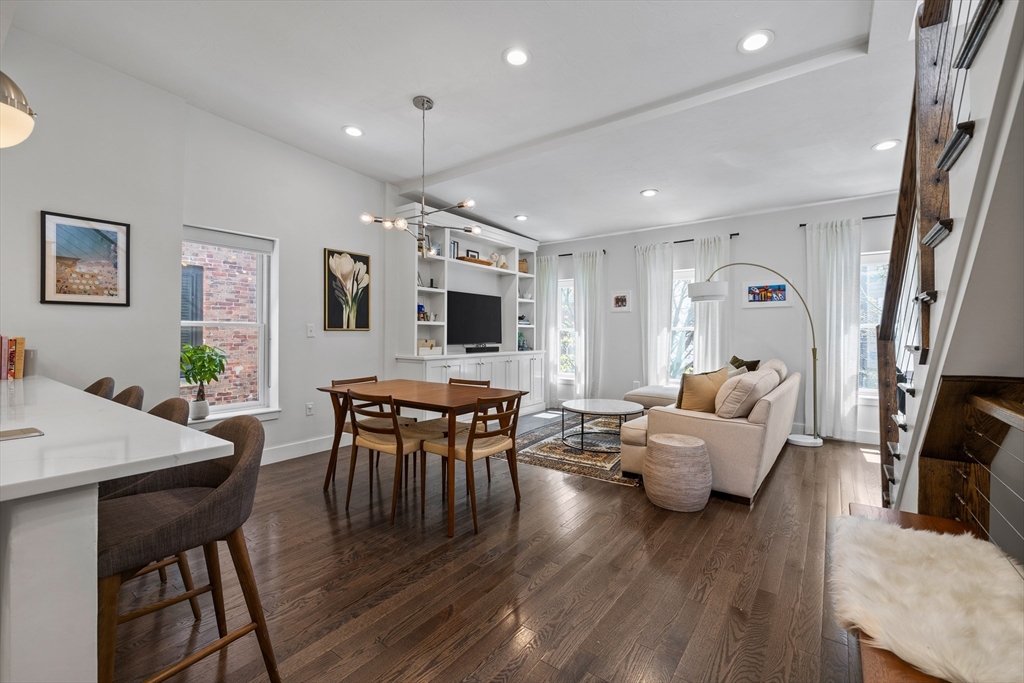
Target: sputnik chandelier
424, 104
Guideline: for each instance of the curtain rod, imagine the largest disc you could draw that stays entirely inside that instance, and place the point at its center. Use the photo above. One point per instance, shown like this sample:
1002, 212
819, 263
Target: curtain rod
865, 218
570, 254
731, 235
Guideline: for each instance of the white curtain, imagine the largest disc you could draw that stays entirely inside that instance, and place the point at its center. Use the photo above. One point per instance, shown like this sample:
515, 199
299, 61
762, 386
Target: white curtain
588, 276
833, 295
654, 284
709, 335
547, 323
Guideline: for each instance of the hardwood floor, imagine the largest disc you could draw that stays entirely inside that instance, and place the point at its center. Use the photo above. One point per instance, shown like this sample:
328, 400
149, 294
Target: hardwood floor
588, 582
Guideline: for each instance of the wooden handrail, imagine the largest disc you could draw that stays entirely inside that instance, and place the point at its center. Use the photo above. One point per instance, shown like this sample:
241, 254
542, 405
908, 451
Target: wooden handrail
1003, 409
903, 232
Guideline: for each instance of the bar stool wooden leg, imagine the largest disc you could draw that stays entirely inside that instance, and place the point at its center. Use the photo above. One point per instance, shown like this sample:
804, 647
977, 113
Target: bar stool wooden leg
243, 567
213, 569
186, 578
109, 587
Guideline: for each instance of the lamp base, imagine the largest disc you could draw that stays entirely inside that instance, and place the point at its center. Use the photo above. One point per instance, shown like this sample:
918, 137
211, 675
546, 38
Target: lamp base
805, 440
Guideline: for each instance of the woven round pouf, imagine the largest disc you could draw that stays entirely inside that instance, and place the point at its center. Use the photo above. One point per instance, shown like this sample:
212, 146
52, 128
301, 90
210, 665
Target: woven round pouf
677, 472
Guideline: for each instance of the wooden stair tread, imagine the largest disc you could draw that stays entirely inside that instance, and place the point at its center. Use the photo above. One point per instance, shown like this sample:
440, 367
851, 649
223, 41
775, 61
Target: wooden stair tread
1003, 409
882, 666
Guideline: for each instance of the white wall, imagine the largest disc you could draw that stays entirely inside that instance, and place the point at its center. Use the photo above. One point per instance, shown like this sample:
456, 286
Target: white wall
108, 146
105, 146
773, 239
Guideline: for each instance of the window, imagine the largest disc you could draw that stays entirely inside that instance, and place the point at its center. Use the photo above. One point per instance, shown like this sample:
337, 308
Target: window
225, 298
681, 348
566, 329
874, 269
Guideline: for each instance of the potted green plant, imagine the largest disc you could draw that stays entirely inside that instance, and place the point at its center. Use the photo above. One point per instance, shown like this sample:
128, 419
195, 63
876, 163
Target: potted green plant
201, 365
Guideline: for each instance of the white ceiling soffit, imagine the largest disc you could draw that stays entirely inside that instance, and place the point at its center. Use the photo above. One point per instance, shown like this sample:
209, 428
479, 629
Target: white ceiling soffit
606, 80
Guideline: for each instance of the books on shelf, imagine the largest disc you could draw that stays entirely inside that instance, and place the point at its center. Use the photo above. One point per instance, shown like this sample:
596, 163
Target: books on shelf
12, 351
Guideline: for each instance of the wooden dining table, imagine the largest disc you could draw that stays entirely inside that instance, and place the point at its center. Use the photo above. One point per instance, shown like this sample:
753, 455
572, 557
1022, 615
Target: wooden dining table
454, 399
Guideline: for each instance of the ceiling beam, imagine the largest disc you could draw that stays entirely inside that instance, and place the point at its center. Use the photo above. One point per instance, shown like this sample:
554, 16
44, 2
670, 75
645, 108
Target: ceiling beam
668, 106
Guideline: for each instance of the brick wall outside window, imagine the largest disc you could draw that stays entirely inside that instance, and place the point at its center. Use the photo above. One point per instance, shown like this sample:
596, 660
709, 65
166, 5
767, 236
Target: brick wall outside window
230, 279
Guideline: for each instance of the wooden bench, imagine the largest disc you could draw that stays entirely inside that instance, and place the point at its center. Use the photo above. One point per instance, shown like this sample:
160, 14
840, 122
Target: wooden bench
882, 666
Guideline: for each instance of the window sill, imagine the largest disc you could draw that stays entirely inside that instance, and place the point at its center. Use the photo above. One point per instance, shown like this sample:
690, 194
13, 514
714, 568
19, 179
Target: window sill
261, 414
867, 398
566, 379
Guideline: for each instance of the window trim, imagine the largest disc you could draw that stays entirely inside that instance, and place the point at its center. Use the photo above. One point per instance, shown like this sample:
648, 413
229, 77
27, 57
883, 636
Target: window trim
869, 397
268, 248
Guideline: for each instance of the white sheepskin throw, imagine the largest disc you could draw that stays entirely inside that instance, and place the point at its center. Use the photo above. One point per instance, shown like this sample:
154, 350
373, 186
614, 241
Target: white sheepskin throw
950, 605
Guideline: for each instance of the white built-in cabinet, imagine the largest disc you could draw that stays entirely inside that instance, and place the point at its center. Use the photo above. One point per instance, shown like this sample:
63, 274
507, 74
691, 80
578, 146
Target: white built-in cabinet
415, 278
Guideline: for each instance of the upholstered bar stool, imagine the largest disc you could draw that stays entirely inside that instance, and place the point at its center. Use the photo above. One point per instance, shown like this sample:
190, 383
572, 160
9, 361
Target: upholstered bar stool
131, 397
677, 472
102, 387
182, 508
173, 410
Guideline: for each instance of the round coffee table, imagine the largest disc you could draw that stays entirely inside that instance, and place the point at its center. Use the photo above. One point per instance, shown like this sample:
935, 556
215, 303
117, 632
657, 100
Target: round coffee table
602, 407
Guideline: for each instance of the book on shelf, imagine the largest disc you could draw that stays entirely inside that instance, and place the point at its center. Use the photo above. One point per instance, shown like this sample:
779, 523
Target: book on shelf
13, 349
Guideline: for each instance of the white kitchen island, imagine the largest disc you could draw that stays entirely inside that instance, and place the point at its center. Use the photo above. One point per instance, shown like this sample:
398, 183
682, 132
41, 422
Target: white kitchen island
48, 516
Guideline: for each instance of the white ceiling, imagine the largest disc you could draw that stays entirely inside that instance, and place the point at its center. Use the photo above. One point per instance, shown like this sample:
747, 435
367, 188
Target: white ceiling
618, 96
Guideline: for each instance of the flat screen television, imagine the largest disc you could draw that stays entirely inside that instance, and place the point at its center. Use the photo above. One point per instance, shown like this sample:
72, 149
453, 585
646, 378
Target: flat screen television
473, 318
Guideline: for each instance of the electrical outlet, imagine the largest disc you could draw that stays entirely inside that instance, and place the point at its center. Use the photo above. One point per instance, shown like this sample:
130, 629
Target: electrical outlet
309, 409
310, 330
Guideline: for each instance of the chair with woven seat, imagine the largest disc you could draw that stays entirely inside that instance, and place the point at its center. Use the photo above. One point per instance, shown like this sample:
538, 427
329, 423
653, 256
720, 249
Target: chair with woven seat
340, 405
173, 410
131, 397
180, 508
441, 423
369, 417
476, 443
103, 388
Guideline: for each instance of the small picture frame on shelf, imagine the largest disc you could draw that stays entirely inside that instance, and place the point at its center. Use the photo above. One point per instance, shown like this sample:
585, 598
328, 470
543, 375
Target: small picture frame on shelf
472, 254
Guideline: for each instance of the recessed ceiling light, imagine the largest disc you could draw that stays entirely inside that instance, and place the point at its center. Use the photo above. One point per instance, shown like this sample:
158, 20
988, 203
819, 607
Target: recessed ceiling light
516, 56
884, 145
648, 193
521, 217
756, 40
354, 131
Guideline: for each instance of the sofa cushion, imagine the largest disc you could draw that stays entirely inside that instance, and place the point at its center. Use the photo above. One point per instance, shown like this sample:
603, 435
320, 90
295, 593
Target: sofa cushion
738, 395
776, 365
634, 432
653, 395
738, 362
698, 392
736, 371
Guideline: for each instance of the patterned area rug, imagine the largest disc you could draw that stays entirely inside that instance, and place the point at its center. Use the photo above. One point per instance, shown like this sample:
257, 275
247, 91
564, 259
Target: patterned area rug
543, 447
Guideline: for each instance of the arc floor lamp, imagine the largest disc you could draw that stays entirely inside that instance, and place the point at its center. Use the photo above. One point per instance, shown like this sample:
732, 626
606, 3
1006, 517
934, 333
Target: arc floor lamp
719, 290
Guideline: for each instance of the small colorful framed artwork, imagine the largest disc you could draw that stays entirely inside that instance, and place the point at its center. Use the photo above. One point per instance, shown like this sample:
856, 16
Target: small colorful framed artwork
84, 261
622, 302
766, 295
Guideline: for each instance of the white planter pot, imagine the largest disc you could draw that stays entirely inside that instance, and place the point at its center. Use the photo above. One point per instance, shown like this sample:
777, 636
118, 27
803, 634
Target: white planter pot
199, 410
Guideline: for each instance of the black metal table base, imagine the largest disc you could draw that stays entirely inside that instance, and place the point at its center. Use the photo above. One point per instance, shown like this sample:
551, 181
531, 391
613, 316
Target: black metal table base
582, 434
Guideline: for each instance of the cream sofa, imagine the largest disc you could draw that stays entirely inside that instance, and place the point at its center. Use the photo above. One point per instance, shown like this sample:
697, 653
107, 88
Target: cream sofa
742, 449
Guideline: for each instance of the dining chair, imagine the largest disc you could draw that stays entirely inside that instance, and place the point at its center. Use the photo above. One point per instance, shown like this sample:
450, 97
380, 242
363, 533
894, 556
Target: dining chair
173, 410
340, 405
185, 507
103, 387
131, 397
370, 417
441, 423
475, 444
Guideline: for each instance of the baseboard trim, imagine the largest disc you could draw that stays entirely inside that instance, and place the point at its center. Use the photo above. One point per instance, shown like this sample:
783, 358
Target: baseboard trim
298, 449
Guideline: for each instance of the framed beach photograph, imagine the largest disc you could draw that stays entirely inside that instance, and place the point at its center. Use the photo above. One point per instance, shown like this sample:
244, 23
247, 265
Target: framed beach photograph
622, 302
84, 260
346, 290
766, 295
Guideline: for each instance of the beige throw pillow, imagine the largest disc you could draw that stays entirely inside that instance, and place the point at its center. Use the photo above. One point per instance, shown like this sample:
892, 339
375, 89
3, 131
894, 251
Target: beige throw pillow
698, 392
736, 371
776, 365
738, 395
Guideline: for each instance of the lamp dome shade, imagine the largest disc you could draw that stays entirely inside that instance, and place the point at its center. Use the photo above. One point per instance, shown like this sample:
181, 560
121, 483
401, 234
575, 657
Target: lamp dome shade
708, 291
16, 117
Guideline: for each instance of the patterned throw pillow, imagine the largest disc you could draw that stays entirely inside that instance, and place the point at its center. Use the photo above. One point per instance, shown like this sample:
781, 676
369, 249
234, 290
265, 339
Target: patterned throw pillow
698, 392
738, 362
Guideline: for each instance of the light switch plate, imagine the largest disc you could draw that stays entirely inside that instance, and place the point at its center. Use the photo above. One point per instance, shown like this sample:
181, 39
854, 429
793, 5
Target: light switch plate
310, 330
